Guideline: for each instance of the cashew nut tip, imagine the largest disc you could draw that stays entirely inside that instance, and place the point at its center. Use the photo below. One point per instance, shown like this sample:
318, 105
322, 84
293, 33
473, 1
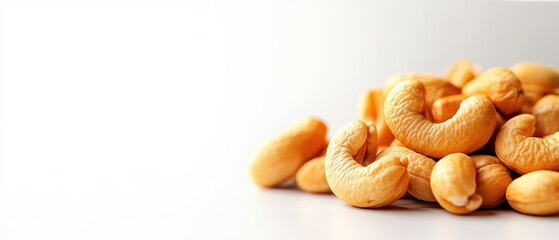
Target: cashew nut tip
453, 181
468, 130
280, 158
536, 193
353, 176
521, 152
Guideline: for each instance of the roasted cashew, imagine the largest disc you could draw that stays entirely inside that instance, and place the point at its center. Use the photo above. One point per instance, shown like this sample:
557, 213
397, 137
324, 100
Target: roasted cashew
468, 130
501, 86
521, 152
419, 170
492, 179
546, 111
396, 143
371, 108
311, 177
351, 177
444, 108
454, 184
535, 193
435, 88
279, 159
537, 78
461, 72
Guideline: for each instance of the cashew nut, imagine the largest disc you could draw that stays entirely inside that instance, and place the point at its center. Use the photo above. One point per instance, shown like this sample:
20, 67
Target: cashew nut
419, 170
535, 193
521, 152
492, 179
311, 177
546, 111
453, 181
444, 108
501, 86
537, 78
461, 72
468, 130
435, 88
371, 108
279, 159
351, 177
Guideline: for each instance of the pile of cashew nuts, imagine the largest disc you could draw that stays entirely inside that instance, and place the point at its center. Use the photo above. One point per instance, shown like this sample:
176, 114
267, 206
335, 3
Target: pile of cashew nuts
470, 139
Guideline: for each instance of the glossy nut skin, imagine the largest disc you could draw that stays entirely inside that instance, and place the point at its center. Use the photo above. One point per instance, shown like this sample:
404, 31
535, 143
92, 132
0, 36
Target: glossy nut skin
311, 177
280, 158
501, 86
536, 193
453, 181
521, 152
492, 180
468, 130
435, 88
461, 72
371, 108
537, 78
419, 170
546, 111
351, 177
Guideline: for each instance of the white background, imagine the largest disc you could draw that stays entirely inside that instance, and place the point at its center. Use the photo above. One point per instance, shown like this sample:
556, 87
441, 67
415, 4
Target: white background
138, 119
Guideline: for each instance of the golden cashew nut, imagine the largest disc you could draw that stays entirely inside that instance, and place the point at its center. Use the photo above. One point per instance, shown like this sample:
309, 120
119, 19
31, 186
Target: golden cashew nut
351, 177
419, 170
468, 130
435, 88
371, 108
501, 86
492, 179
546, 111
535, 193
311, 177
444, 108
537, 78
521, 152
280, 158
461, 72
454, 184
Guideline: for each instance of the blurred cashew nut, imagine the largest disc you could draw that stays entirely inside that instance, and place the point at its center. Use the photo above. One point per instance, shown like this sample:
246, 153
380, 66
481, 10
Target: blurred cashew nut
371, 108
546, 111
311, 177
461, 72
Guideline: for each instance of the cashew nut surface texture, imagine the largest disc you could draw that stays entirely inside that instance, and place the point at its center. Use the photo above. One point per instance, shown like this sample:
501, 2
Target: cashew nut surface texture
371, 108
351, 177
501, 86
535, 193
311, 177
280, 158
419, 170
468, 130
492, 179
453, 181
546, 111
537, 78
521, 152
461, 72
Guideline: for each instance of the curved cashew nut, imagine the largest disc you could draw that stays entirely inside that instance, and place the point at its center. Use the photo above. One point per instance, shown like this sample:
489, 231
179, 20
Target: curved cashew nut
492, 179
435, 88
279, 159
371, 108
468, 130
350, 177
461, 72
535, 193
501, 86
537, 78
546, 111
419, 170
523, 153
454, 184
311, 177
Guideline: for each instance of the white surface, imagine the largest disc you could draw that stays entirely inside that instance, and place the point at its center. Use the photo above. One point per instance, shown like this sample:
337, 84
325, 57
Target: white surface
137, 119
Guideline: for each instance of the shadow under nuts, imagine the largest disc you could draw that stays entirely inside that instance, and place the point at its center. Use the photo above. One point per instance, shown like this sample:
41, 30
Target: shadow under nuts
351, 175
468, 130
280, 158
